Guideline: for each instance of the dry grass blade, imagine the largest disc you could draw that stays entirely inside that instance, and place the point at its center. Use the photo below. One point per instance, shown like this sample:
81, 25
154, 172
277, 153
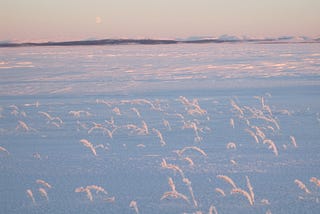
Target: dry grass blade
22, 125
193, 148
315, 180
293, 141
259, 132
197, 110
167, 124
133, 204
188, 183
173, 167
175, 194
271, 120
116, 110
271, 146
302, 186
110, 122
144, 130
145, 127
159, 135
44, 193
4, 150
236, 107
268, 109
86, 143
109, 133
213, 209
93, 150
233, 162
86, 190
190, 161
171, 184
193, 126
193, 107
250, 189
97, 189
42, 182
271, 128
232, 123
89, 194
47, 115
142, 101
265, 201
253, 135
184, 101
30, 194
107, 103
50, 118
111, 199
228, 180
220, 191
77, 114
231, 145
97, 126
244, 193
79, 189
136, 111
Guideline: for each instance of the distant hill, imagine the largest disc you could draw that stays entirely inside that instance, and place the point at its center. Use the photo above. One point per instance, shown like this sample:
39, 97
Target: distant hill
222, 39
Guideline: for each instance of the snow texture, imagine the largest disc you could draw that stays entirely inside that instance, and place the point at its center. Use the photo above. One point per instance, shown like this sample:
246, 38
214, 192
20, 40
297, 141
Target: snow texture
115, 129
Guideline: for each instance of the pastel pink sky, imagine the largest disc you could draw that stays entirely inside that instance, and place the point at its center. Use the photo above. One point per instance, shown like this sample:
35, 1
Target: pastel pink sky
52, 20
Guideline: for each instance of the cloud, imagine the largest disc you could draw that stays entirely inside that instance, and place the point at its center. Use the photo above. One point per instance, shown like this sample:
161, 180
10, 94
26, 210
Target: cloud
98, 20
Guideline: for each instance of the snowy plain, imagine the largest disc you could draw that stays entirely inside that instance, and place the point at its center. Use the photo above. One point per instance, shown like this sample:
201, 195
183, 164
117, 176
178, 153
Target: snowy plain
185, 128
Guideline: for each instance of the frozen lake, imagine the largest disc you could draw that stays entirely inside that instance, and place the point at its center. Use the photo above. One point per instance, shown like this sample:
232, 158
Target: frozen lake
186, 128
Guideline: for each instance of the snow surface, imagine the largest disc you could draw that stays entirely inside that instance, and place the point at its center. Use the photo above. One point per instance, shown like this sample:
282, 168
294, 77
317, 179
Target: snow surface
123, 122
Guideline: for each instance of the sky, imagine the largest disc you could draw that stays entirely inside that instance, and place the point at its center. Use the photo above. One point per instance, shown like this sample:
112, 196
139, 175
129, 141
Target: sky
58, 20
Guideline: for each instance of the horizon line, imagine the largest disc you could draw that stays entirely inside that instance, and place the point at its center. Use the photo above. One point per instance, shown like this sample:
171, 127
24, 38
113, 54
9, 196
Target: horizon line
149, 41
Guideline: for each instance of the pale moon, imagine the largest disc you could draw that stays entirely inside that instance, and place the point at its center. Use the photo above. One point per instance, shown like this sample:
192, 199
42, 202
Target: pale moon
98, 20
